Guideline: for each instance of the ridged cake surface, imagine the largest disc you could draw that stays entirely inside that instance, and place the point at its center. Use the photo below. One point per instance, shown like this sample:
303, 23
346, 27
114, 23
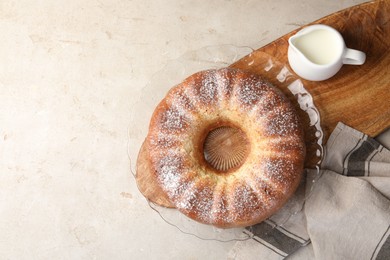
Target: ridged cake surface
268, 155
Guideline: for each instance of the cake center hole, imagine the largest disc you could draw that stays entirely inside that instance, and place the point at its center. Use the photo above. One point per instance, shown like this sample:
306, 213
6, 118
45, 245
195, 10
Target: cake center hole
225, 148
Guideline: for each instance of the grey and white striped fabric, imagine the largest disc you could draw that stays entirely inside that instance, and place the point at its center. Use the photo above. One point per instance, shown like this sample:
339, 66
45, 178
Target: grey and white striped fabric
346, 214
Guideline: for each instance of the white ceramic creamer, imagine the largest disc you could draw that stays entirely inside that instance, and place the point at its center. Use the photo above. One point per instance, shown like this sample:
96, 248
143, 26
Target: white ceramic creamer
317, 52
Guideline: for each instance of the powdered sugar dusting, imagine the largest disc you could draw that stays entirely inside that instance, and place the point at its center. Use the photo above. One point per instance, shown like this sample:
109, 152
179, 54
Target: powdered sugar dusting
173, 120
193, 188
285, 147
170, 174
270, 102
251, 91
225, 84
267, 191
246, 203
169, 171
281, 172
283, 122
181, 101
208, 89
221, 209
198, 201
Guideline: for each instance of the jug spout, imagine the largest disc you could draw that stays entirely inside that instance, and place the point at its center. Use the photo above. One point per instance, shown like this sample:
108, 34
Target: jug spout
291, 43
296, 37
294, 41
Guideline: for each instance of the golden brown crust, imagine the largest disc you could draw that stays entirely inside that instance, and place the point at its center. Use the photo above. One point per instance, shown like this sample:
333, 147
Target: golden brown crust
273, 166
147, 183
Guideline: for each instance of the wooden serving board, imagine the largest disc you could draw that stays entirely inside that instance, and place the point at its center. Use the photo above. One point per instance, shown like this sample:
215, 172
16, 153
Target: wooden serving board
358, 96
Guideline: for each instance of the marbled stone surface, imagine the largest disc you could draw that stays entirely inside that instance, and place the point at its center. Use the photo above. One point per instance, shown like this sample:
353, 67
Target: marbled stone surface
70, 75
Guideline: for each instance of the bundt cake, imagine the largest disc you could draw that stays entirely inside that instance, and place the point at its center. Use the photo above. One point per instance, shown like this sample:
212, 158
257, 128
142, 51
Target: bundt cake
224, 147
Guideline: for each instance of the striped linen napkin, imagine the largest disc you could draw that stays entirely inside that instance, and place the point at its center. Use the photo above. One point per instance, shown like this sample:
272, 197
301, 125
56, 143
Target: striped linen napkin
346, 214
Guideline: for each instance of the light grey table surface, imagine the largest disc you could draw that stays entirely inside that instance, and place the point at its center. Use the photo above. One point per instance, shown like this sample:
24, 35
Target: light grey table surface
70, 75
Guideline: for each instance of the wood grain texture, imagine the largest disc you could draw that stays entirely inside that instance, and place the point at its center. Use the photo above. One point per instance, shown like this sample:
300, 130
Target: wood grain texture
359, 96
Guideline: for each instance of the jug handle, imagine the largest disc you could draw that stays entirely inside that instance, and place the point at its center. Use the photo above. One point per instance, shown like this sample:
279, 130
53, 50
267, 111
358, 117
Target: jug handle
354, 57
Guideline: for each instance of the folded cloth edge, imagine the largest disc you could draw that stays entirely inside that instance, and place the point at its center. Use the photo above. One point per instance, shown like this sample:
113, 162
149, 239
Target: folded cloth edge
332, 141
